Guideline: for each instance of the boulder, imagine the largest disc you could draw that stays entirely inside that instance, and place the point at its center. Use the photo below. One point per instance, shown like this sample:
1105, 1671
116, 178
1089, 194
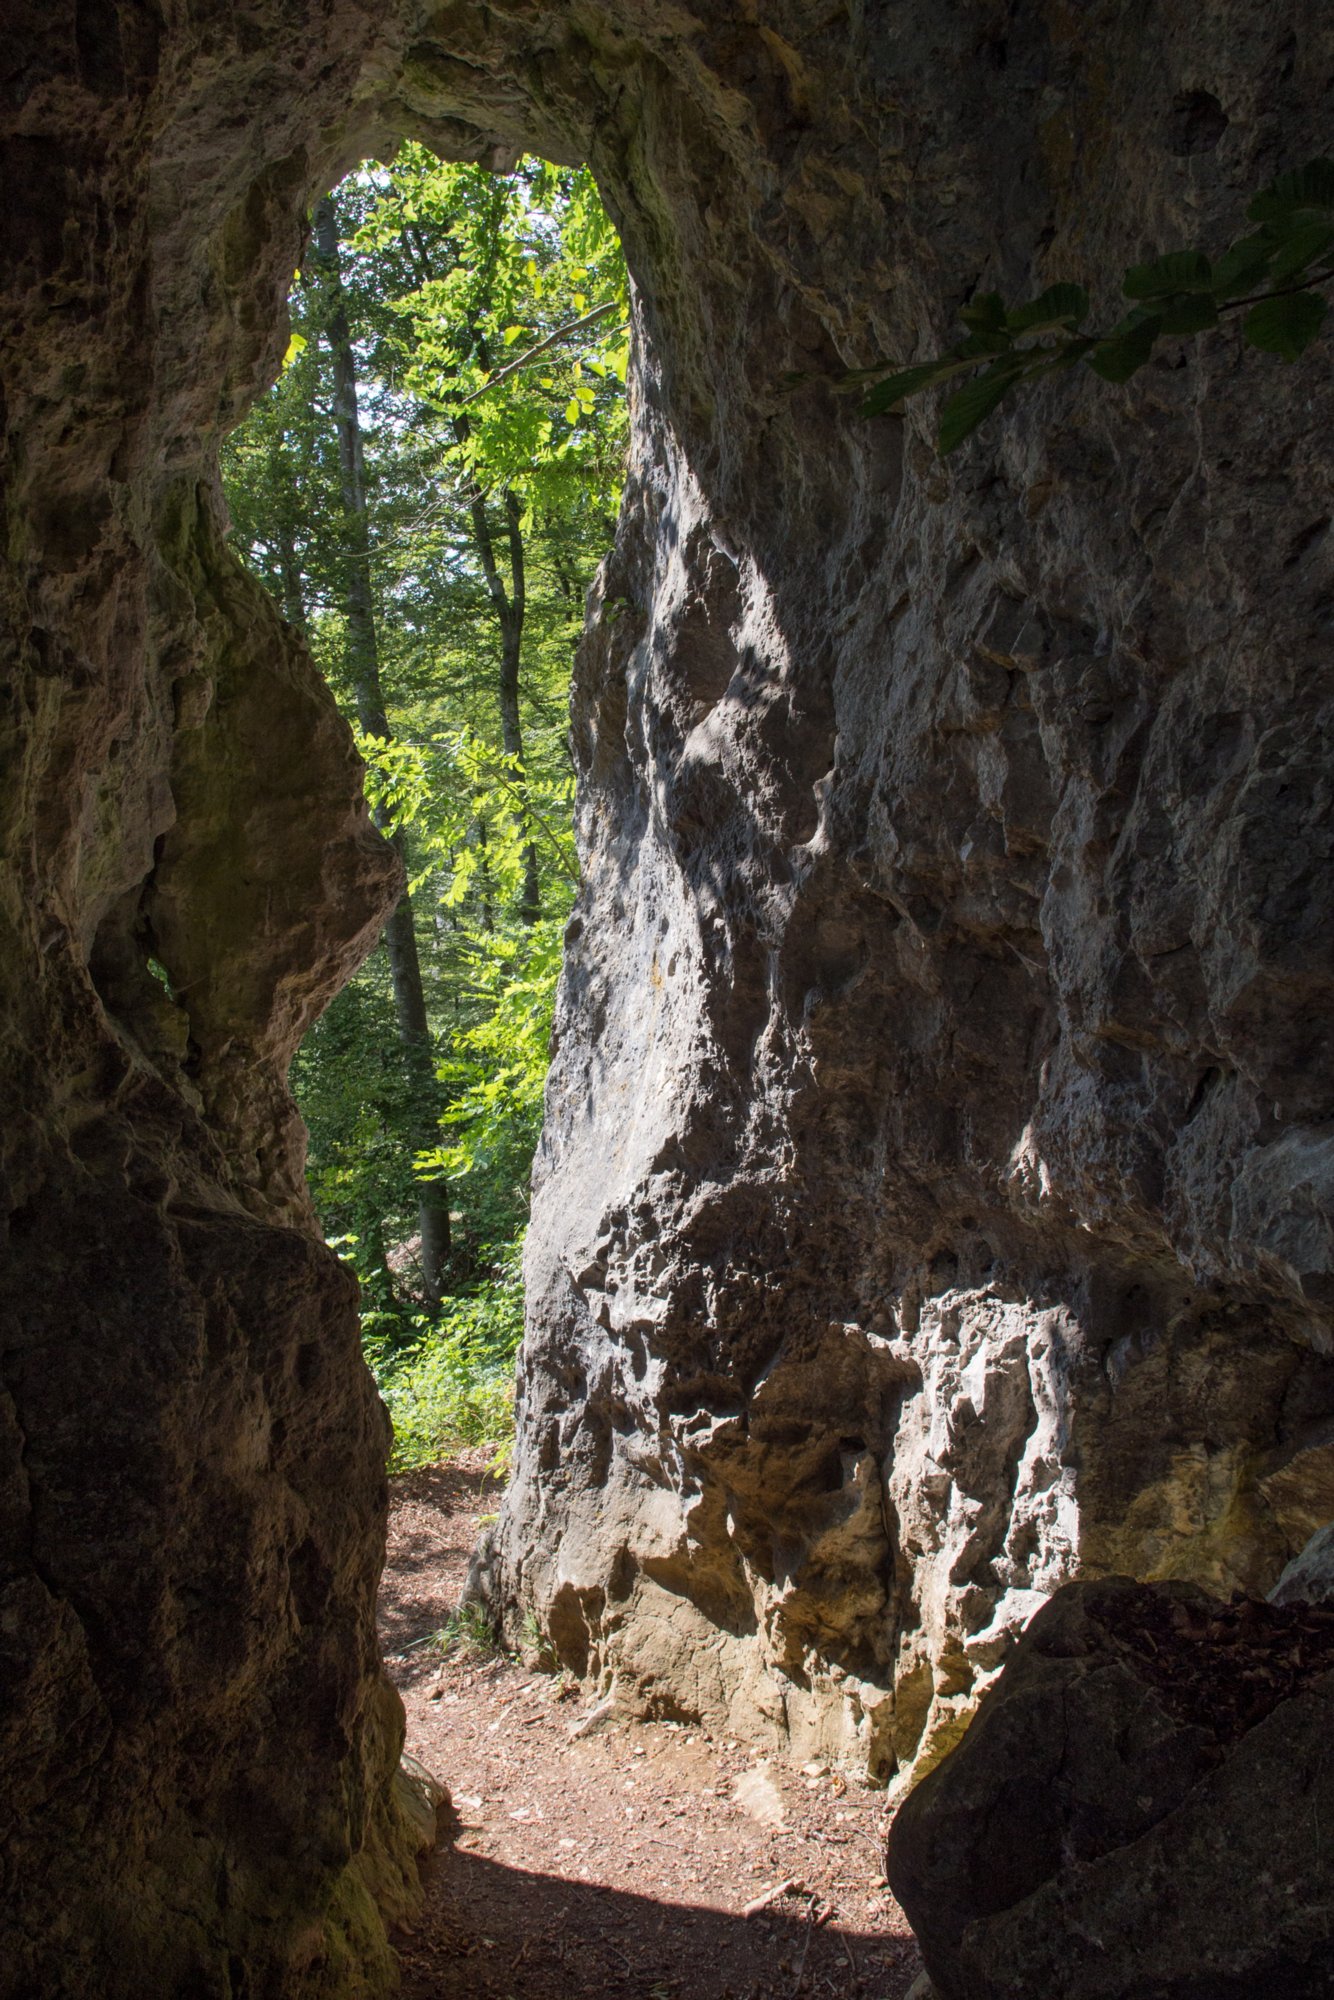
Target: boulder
1139, 1811
1309, 1577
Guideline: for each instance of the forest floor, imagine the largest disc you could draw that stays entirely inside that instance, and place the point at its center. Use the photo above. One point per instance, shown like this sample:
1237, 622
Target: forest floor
616, 1864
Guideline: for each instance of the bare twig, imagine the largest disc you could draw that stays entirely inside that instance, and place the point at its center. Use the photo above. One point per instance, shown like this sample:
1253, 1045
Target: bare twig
810, 1933
592, 1719
876, 1847
792, 1887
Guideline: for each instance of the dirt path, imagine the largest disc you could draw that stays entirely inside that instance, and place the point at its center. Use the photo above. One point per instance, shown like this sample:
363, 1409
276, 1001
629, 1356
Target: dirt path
614, 1864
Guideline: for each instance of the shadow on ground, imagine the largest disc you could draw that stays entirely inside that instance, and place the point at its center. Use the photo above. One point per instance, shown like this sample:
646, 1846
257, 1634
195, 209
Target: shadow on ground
493, 1932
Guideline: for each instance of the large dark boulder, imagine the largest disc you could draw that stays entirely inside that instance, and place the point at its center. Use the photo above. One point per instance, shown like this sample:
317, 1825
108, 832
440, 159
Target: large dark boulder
1141, 1810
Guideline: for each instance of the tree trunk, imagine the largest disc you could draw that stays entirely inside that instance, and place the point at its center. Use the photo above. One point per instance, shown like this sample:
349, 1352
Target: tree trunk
509, 609
363, 658
530, 903
289, 570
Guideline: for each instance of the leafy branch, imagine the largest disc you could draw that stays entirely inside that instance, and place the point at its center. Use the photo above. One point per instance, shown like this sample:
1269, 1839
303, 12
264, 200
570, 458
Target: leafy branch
1271, 275
544, 346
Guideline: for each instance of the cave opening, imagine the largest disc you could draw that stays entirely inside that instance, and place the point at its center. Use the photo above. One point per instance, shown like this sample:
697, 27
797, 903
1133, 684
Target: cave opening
426, 493
925, 804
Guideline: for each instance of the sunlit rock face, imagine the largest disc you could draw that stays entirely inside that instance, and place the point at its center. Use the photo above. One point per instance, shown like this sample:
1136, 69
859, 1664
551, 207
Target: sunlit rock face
934, 1191
935, 1194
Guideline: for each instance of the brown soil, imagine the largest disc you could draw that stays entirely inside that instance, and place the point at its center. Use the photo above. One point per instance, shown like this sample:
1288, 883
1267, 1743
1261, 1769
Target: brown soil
616, 1864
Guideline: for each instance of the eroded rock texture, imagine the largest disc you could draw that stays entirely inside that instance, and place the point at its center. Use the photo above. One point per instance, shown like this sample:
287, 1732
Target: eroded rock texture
935, 1191
935, 1196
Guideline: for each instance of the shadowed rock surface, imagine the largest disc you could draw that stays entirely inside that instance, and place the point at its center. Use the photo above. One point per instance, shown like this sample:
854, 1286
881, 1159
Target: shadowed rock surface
935, 1192
1309, 1577
935, 1196
1137, 1811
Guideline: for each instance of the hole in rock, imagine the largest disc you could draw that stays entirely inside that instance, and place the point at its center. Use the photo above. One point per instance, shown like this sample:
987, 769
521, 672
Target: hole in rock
426, 493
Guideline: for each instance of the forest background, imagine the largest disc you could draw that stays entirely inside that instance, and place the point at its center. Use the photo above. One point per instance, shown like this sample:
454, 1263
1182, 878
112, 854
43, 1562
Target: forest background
427, 491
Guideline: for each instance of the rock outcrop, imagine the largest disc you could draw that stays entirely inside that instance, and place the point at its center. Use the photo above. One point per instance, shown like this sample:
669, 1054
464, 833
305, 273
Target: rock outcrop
1137, 1811
935, 1193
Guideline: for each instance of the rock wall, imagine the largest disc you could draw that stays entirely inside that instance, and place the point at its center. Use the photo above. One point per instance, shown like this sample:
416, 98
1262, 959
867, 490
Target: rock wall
935, 1188
196, 1749
935, 1193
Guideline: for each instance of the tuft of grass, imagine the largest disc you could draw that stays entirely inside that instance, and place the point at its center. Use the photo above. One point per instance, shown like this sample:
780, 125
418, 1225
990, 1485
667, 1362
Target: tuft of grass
536, 1648
468, 1634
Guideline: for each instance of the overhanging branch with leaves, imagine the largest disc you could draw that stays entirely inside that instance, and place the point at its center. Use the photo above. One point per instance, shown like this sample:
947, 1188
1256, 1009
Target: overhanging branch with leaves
1273, 275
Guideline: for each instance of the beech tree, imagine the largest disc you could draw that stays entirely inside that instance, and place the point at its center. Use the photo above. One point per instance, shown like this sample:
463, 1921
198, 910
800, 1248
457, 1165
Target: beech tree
362, 663
427, 491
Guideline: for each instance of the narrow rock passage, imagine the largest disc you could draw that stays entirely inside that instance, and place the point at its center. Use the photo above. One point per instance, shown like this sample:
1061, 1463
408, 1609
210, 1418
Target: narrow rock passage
617, 1862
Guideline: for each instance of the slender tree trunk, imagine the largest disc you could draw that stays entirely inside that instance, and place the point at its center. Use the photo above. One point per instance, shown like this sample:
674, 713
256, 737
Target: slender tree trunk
530, 902
510, 607
289, 570
363, 658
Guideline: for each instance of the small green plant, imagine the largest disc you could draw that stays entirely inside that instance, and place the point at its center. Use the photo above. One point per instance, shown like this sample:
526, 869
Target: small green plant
453, 1385
535, 1646
468, 1634
1272, 275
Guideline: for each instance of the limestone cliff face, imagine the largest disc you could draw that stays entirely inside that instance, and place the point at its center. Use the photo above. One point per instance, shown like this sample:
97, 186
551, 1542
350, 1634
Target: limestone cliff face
935, 1196
935, 1193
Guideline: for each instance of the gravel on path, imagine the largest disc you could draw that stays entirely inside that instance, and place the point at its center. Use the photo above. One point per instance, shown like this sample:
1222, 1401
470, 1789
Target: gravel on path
619, 1862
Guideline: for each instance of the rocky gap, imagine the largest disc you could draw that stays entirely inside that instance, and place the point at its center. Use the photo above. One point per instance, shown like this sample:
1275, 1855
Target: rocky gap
1059, 923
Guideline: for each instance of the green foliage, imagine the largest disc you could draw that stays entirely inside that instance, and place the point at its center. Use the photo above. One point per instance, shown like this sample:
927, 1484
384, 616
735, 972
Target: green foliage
497, 1072
514, 310
488, 315
1273, 274
453, 1384
468, 1634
